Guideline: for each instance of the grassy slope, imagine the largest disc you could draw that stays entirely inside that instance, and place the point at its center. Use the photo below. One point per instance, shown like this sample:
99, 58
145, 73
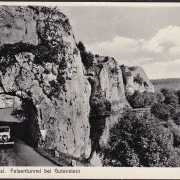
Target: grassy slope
172, 84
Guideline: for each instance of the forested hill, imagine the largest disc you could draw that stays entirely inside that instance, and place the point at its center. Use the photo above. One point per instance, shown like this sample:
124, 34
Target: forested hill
170, 83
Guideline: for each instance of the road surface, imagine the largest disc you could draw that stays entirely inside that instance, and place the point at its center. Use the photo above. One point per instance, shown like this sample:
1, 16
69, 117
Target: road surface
22, 155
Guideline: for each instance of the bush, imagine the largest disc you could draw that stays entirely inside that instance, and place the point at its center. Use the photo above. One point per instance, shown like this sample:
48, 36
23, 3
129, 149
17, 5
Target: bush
106, 59
145, 83
139, 142
122, 67
114, 71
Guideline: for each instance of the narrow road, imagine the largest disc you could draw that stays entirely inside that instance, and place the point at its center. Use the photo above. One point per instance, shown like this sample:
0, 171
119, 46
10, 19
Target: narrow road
22, 155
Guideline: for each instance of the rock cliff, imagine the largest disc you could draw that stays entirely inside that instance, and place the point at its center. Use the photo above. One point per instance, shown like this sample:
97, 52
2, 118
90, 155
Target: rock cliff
41, 65
136, 79
106, 80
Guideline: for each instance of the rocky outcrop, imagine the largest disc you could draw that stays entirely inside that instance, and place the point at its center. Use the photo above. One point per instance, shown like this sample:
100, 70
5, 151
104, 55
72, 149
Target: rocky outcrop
136, 79
41, 65
106, 80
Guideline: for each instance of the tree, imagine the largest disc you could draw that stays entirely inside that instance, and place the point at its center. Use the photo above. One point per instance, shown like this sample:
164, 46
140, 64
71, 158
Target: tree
170, 97
153, 97
81, 47
139, 142
178, 95
140, 100
176, 119
86, 57
160, 97
99, 104
161, 111
136, 100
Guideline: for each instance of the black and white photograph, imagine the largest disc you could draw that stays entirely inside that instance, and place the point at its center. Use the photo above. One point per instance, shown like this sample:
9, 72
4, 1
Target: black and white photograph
90, 86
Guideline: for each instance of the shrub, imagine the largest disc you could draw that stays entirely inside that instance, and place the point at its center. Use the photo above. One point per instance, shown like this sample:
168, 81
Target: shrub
122, 67
106, 59
60, 79
62, 64
114, 70
46, 71
145, 83
75, 51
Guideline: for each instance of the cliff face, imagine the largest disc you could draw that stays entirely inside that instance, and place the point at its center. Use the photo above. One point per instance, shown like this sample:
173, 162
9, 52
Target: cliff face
136, 79
41, 65
106, 79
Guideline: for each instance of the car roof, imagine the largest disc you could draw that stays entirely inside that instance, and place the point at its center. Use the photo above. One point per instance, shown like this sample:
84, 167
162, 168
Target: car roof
2, 127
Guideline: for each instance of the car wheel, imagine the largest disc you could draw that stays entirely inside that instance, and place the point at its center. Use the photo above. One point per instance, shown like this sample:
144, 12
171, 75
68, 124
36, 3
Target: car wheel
5, 138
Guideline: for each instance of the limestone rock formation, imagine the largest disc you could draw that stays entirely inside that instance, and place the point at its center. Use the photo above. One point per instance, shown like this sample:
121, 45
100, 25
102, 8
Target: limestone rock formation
106, 80
41, 65
136, 79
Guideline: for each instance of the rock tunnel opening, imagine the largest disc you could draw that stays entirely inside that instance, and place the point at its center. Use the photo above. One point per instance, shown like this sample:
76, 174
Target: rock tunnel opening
27, 127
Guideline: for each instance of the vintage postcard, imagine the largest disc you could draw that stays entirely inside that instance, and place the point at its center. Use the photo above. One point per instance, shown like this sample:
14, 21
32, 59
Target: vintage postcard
89, 90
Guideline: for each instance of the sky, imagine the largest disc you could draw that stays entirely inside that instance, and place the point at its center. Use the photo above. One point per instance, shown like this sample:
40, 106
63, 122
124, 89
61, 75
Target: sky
135, 36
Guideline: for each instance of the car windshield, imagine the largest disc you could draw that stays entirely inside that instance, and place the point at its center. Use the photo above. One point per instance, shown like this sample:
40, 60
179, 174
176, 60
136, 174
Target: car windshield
4, 129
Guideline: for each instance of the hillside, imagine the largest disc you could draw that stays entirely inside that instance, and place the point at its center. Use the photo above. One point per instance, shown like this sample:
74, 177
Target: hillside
170, 83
